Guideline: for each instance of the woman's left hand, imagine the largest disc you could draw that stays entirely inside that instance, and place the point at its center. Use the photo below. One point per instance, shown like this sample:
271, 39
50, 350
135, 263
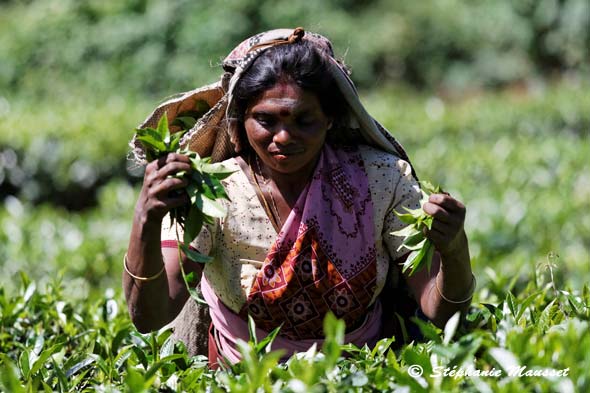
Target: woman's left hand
451, 267
447, 233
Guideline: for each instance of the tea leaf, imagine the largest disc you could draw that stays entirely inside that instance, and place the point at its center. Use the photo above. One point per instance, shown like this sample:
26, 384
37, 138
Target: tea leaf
406, 218
414, 242
430, 188
422, 249
80, 365
163, 129
204, 187
151, 143
175, 141
193, 225
195, 256
252, 330
408, 230
451, 327
417, 259
209, 206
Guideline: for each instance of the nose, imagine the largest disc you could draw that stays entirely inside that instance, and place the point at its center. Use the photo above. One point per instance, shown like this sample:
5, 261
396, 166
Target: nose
283, 137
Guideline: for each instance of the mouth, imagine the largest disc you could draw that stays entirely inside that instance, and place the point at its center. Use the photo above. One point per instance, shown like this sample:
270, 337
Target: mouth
284, 154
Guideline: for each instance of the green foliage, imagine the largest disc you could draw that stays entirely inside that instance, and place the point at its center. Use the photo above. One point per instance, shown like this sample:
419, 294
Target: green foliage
417, 221
151, 46
75, 76
62, 150
518, 161
204, 186
86, 247
51, 342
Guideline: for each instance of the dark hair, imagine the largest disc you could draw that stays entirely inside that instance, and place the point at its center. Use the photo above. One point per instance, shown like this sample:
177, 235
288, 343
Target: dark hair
302, 63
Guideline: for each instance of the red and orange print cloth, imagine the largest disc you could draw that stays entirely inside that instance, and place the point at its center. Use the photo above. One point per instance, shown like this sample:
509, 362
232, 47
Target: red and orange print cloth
324, 258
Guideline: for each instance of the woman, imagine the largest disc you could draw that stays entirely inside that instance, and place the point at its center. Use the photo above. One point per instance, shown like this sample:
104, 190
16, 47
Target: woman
311, 212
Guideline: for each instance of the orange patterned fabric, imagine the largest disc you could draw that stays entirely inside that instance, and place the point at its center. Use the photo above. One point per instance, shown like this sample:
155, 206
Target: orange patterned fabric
324, 258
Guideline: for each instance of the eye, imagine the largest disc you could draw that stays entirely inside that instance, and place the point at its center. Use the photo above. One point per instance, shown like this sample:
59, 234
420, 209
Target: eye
265, 120
306, 121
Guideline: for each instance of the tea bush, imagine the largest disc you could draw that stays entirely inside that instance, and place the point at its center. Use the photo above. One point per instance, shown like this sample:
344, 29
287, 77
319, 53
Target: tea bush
87, 247
70, 148
52, 342
519, 162
157, 46
77, 76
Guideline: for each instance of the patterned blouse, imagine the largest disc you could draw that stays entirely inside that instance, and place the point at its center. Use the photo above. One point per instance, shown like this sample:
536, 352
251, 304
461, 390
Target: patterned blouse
239, 243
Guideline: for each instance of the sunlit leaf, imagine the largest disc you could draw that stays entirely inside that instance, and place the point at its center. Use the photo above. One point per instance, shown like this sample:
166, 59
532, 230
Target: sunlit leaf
210, 207
149, 143
430, 188
195, 256
163, 128
408, 230
406, 218
451, 327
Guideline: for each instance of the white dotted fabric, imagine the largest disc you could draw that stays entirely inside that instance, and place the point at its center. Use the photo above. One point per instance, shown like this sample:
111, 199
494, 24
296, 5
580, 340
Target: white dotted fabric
239, 242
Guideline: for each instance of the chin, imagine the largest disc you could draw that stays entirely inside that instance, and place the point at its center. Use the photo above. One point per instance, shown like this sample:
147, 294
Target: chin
288, 168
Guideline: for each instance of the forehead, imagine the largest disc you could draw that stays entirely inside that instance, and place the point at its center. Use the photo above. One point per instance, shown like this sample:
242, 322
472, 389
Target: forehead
285, 96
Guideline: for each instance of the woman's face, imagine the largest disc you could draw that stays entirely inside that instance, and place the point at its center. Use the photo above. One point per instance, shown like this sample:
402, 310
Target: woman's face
287, 127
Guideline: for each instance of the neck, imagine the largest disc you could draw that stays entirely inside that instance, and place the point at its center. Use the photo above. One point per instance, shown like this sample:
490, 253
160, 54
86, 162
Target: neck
289, 185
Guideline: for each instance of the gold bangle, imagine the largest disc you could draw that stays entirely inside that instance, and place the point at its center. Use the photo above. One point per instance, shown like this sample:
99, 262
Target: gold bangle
471, 289
158, 274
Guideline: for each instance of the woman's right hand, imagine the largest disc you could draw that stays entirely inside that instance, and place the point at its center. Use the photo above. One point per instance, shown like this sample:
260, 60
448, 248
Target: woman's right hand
159, 191
156, 302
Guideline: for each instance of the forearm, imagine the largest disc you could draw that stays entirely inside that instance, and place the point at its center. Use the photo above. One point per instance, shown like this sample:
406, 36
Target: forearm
450, 286
147, 301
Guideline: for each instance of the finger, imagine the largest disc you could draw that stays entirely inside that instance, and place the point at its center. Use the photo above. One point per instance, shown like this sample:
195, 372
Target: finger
155, 165
181, 185
163, 206
172, 168
444, 228
170, 184
160, 162
447, 202
436, 211
171, 157
151, 167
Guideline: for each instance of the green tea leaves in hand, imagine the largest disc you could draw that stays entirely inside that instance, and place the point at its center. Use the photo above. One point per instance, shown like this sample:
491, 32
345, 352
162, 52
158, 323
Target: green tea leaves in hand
420, 247
204, 188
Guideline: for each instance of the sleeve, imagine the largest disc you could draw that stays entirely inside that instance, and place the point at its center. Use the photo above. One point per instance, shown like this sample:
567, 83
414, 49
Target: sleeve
202, 243
405, 194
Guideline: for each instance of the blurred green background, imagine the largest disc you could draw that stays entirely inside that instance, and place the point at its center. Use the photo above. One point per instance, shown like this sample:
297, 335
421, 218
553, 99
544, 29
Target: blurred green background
490, 99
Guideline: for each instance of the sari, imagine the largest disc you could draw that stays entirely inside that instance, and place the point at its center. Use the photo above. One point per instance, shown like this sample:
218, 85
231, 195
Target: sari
323, 260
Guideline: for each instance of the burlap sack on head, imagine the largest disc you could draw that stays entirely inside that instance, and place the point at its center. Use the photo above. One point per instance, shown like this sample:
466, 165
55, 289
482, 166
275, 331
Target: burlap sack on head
208, 137
212, 136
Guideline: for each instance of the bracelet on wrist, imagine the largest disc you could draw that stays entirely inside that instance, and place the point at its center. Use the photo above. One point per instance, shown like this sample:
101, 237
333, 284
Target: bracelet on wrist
471, 291
138, 278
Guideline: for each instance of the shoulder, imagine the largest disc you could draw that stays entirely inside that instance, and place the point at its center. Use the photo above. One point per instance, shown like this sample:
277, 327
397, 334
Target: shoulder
390, 180
383, 164
232, 164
